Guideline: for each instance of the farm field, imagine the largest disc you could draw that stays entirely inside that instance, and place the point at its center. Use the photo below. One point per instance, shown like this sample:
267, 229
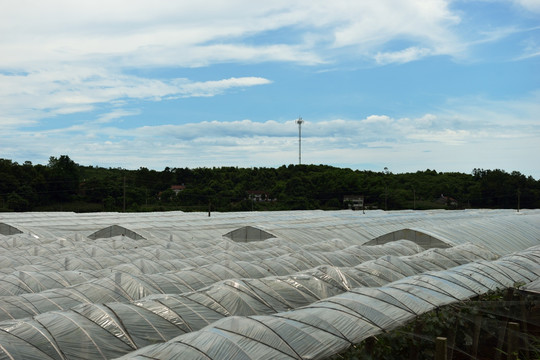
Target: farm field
246, 285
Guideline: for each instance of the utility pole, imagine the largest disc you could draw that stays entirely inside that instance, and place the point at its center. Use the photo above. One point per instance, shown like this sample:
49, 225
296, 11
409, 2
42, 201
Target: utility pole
385, 197
519, 198
385, 188
300, 122
363, 205
124, 205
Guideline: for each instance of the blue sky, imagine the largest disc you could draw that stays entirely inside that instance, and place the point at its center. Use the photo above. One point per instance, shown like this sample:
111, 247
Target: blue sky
403, 84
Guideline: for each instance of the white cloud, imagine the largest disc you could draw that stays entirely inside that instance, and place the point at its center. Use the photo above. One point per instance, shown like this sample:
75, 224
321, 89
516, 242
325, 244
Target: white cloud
437, 141
27, 97
143, 33
446, 136
377, 119
219, 130
376, 22
530, 5
63, 57
531, 48
116, 114
466, 121
212, 88
402, 56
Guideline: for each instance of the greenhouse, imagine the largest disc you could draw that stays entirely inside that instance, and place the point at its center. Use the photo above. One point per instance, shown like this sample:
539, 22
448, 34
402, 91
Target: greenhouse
297, 284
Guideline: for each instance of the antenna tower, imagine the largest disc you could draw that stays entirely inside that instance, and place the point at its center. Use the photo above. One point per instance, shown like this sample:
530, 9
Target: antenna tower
300, 122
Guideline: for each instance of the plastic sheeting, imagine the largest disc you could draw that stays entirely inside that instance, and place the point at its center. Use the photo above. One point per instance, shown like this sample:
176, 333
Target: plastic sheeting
248, 233
107, 330
326, 327
125, 287
6, 229
115, 230
503, 231
533, 287
64, 295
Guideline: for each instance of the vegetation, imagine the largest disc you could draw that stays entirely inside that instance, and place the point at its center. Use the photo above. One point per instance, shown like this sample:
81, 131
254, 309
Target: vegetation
64, 185
475, 329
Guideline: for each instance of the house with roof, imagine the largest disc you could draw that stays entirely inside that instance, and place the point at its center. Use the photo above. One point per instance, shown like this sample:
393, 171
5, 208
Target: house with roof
447, 200
178, 188
258, 195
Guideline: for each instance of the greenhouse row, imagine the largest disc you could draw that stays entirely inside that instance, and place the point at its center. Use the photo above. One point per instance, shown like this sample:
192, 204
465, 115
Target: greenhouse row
328, 326
304, 284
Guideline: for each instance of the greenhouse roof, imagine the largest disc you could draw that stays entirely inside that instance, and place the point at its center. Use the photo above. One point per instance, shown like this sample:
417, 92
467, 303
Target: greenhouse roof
299, 284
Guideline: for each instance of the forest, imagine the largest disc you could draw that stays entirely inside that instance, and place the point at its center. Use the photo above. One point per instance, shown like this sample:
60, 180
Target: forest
63, 185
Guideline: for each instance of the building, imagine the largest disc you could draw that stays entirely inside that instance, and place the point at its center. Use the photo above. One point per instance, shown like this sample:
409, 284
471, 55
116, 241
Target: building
257, 195
447, 200
354, 202
178, 188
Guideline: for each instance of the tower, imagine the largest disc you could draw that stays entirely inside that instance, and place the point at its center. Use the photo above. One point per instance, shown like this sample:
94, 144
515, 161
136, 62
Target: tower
300, 122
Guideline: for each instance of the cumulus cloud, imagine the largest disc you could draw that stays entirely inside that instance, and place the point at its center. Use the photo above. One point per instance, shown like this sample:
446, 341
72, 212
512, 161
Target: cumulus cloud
446, 136
143, 33
376, 22
446, 128
448, 140
60, 58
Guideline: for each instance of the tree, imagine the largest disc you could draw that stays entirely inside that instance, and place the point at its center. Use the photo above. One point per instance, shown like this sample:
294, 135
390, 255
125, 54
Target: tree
64, 178
17, 202
167, 196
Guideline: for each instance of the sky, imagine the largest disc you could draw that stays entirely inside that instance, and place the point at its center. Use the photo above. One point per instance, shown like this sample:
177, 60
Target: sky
405, 85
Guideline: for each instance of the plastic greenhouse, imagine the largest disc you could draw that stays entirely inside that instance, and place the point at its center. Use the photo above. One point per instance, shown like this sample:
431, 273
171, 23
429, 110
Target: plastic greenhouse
273, 285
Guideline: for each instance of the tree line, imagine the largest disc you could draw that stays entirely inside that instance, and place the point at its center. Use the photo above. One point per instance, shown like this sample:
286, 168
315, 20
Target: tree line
63, 185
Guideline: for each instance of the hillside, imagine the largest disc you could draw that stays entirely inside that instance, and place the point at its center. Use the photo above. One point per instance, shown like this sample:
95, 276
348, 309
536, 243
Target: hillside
63, 185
